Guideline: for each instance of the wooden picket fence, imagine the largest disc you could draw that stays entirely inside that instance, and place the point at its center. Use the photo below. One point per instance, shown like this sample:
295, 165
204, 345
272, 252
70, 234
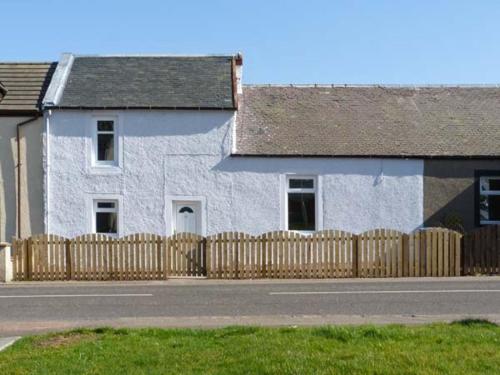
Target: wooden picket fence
233, 255
481, 253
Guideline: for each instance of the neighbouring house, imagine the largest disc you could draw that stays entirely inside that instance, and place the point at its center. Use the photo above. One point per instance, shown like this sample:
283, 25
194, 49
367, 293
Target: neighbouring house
446, 137
167, 144
22, 88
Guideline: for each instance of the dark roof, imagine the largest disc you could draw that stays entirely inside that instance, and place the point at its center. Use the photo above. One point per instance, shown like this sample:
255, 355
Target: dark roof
150, 82
369, 121
25, 84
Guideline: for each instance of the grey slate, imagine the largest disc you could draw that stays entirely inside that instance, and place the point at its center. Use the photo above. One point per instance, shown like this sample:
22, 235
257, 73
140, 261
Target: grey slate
150, 81
369, 121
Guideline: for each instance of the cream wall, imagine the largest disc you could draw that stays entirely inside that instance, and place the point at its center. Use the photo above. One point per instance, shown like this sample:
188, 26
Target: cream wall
31, 177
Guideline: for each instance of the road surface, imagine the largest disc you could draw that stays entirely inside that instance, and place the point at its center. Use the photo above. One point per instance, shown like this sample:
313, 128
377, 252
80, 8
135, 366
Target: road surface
27, 308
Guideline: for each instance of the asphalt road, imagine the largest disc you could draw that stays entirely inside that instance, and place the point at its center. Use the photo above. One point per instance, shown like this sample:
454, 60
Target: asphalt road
29, 308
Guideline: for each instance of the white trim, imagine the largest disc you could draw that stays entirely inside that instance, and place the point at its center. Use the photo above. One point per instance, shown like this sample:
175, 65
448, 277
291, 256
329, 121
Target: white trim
46, 165
170, 201
91, 202
487, 193
59, 80
488, 222
105, 167
318, 199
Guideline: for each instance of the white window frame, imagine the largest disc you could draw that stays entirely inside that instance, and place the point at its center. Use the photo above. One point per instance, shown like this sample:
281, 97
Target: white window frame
92, 210
487, 193
317, 201
95, 134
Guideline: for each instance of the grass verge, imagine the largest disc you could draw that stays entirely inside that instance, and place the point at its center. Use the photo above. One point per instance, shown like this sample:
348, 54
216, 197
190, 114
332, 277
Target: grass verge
467, 347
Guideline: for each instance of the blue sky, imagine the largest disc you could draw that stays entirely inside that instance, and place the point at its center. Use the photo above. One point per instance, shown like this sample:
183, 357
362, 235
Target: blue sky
309, 41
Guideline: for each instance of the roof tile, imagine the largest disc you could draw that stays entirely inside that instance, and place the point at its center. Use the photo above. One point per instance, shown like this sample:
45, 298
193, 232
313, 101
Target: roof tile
149, 81
25, 85
369, 121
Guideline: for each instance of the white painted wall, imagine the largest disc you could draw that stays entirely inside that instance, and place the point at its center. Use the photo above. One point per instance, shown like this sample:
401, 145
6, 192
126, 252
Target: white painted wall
169, 154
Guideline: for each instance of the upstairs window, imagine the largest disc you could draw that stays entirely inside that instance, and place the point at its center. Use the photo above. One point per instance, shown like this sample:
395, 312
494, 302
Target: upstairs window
105, 143
489, 200
301, 204
106, 217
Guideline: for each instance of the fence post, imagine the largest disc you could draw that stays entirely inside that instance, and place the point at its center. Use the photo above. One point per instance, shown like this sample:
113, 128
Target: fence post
459, 258
6, 274
207, 256
69, 263
29, 261
405, 261
166, 259
355, 255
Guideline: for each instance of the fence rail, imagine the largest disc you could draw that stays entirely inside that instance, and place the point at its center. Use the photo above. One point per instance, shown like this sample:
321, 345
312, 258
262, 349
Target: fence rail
232, 255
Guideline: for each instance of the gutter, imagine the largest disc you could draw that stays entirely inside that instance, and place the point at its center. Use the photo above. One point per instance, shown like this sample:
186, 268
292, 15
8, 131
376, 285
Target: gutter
151, 107
18, 141
360, 156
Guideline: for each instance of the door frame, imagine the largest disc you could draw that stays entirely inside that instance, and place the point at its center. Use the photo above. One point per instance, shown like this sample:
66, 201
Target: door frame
170, 211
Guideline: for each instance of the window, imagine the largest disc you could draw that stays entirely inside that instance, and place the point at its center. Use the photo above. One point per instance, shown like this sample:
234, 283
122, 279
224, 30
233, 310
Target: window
489, 199
106, 217
301, 204
105, 143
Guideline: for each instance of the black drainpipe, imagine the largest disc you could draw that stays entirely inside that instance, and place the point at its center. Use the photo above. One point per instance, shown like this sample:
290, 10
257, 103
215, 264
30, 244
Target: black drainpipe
18, 131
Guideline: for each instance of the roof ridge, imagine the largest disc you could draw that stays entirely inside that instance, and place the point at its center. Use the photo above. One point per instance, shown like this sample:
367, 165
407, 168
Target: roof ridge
152, 55
27, 62
392, 86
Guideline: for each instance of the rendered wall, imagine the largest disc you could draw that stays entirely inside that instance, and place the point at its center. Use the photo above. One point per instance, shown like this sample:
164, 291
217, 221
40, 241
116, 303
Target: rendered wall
31, 177
180, 154
449, 190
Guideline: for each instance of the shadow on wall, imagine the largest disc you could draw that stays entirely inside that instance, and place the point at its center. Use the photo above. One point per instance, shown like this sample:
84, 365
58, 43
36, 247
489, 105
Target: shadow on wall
449, 192
378, 168
32, 178
441, 203
7, 182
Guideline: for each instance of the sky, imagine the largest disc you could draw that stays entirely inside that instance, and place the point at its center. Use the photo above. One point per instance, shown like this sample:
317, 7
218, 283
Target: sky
308, 41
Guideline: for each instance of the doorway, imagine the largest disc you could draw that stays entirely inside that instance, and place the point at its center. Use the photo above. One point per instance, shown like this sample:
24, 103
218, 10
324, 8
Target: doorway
187, 217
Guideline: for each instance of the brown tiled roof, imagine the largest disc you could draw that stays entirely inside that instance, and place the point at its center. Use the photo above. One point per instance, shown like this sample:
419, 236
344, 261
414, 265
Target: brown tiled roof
26, 84
369, 121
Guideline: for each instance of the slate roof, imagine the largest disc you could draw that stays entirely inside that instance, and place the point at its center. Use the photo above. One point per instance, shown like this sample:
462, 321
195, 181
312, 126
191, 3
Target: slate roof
25, 85
204, 82
369, 121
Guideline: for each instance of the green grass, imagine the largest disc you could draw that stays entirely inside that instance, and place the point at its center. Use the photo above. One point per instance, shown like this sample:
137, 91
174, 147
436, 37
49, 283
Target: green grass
467, 347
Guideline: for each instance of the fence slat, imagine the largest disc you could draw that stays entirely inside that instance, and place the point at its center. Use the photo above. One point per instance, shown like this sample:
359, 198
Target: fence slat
330, 253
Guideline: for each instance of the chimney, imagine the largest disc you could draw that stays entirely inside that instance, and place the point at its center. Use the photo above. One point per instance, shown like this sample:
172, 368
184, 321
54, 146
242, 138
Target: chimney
239, 71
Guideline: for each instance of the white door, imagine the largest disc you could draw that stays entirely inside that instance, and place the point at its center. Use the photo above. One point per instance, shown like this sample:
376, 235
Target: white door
187, 217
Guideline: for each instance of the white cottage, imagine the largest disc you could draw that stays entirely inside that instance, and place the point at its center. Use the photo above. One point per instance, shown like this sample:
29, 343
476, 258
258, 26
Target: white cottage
167, 144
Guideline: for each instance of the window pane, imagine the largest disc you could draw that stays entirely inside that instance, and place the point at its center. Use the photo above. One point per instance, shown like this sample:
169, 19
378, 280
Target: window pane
296, 183
301, 211
105, 147
106, 222
105, 126
490, 183
105, 204
489, 207
186, 209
